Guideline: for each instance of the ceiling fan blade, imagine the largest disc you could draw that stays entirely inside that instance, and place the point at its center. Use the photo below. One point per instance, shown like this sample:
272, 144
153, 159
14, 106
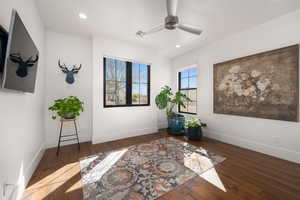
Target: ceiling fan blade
153, 30
172, 7
190, 28
156, 29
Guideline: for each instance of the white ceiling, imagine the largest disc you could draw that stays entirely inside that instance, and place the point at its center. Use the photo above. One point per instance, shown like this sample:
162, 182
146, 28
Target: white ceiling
121, 19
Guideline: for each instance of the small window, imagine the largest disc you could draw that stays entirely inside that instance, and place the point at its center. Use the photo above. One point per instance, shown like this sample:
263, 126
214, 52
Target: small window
188, 86
126, 83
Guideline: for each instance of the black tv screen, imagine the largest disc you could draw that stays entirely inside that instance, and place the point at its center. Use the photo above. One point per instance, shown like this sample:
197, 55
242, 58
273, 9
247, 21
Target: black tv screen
3, 45
22, 57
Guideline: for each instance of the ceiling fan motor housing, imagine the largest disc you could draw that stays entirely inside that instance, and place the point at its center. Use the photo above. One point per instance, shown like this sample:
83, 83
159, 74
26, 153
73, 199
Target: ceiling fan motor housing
171, 22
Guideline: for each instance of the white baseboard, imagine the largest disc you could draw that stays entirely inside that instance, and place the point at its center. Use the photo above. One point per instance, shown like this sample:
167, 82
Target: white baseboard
52, 144
282, 153
34, 163
17, 192
100, 138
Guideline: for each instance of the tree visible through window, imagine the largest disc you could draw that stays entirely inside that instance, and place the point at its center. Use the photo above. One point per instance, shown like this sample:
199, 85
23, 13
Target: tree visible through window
188, 86
139, 83
126, 83
115, 82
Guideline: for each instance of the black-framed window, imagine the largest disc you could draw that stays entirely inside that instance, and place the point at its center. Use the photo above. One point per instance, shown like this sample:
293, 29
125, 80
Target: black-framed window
187, 80
126, 83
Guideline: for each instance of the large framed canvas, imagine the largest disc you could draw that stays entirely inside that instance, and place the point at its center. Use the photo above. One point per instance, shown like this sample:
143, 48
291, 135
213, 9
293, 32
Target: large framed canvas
264, 85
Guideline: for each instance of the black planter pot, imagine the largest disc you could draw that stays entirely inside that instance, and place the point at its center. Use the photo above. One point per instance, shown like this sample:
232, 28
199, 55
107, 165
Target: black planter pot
194, 133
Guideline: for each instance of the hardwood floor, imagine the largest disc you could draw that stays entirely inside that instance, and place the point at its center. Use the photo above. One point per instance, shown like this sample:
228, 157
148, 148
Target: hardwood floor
244, 174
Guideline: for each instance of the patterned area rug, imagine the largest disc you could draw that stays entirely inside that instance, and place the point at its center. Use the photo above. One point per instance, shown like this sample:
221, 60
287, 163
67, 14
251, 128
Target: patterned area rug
145, 171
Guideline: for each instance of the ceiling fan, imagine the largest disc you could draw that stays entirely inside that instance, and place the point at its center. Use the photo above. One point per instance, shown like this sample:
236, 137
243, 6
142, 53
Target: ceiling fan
171, 22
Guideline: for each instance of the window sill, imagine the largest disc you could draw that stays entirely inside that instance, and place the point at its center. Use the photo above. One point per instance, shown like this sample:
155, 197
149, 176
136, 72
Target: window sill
118, 106
187, 113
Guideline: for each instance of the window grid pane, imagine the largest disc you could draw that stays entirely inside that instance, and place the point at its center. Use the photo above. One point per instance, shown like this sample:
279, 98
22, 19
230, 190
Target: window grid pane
192, 82
184, 83
192, 72
110, 70
121, 93
143, 93
185, 74
143, 73
135, 93
191, 107
120, 70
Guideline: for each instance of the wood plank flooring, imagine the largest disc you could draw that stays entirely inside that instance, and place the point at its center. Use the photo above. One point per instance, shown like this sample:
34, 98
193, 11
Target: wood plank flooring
244, 175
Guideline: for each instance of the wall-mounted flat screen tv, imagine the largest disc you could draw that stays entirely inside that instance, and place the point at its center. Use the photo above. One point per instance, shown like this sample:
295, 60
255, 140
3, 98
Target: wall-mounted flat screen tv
22, 57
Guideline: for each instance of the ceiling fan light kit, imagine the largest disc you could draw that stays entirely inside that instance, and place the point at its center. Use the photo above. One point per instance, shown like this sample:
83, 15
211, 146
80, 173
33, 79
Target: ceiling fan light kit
171, 22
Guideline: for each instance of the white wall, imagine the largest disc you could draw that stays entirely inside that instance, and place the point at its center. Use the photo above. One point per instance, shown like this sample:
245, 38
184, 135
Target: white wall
114, 123
21, 114
278, 138
71, 50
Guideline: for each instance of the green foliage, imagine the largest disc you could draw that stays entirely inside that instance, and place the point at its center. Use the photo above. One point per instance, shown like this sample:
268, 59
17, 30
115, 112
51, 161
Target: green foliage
194, 122
163, 98
69, 107
167, 100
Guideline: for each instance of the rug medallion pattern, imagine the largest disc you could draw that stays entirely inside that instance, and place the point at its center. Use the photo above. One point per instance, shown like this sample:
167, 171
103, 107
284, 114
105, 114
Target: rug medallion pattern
144, 171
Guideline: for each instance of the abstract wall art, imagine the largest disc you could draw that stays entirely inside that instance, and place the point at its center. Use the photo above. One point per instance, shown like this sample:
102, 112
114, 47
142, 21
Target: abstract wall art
264, 85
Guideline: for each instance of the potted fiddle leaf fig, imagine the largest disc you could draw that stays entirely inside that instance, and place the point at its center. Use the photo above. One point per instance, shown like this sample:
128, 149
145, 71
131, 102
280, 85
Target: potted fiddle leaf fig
167, 100
66, 108
193, 129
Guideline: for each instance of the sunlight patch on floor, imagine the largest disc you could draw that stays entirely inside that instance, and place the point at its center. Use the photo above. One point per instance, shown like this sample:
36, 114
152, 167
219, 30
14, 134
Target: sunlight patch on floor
56, 176
204, 167
213, 177
103, 166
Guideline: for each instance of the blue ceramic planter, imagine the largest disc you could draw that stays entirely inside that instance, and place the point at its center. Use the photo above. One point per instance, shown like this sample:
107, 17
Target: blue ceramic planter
176, 125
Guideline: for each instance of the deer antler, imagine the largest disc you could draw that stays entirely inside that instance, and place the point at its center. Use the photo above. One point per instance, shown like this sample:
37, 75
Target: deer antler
63, 67
16, 58
30, 62
75, 69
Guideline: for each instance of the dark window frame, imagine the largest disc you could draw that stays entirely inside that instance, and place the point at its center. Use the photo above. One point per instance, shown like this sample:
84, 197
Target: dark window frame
186, 89
128, 86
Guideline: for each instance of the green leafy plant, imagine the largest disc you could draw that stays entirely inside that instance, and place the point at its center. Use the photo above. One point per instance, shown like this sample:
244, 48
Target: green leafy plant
194, 122
67, 108
167, 100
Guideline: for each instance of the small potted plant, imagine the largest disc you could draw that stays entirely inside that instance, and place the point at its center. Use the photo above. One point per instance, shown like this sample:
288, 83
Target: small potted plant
193, 129
167, 100
67, 108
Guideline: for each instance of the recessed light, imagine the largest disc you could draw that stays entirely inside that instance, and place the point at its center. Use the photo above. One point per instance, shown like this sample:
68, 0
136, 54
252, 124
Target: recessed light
177, 46
82, 16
